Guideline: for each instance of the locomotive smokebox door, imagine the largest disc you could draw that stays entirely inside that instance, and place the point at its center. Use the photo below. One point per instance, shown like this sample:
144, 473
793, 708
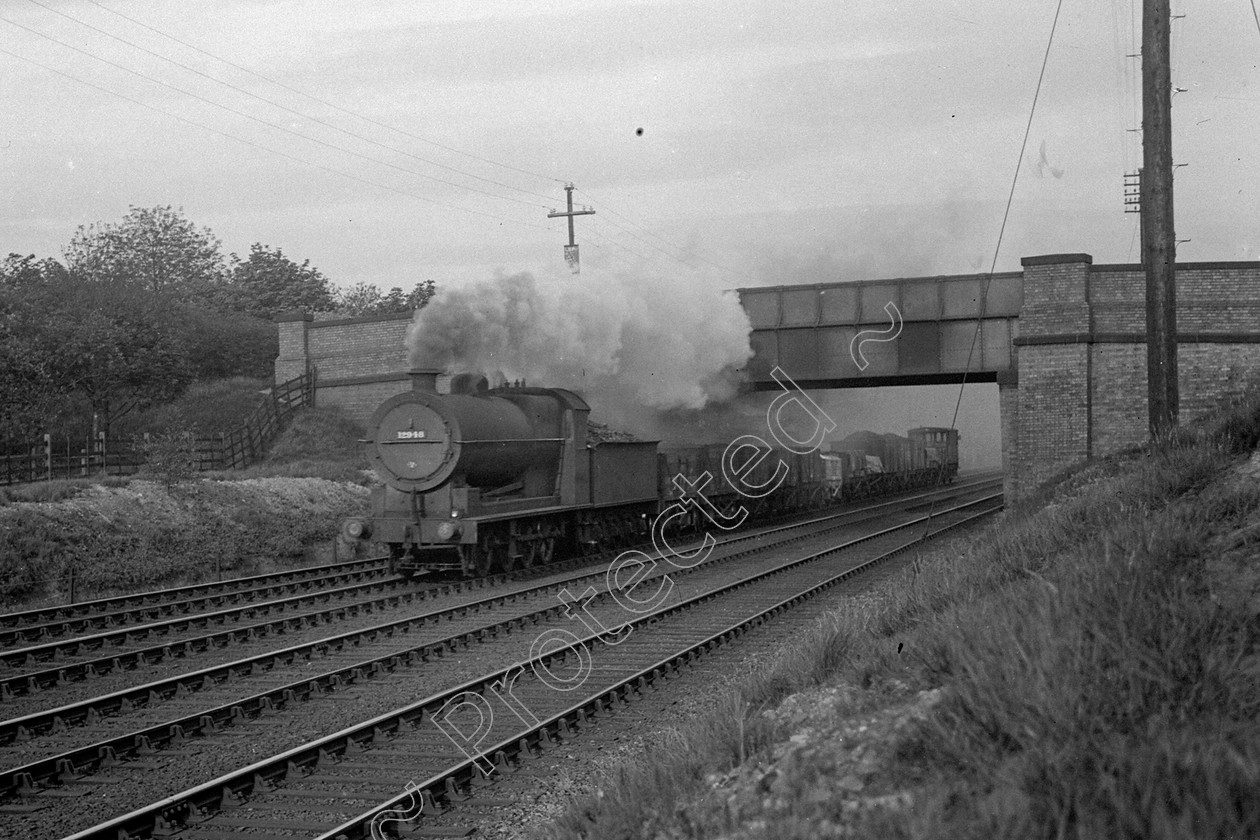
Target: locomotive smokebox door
413, 441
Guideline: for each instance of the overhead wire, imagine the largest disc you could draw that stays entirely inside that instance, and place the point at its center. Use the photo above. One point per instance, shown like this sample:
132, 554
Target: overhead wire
607, 210
627, 231
1128, 101
325, 102
284, 107
251, 143
698, 258
1010, 199
261, 120
598, 237
644, 259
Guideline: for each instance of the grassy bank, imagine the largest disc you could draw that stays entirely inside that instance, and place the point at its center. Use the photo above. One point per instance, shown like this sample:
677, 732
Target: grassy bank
1089, 669
127, 534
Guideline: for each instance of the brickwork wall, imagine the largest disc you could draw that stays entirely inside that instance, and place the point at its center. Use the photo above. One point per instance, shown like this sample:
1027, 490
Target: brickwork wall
360, 399
1208, 374
1096, 318
358, 346
1008, 409
1211, 297
357, 362
1054, 296
1052, 419
292, 361
1118, 373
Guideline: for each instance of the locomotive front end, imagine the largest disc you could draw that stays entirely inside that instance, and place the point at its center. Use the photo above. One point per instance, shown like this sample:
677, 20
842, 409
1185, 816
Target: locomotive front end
454, 463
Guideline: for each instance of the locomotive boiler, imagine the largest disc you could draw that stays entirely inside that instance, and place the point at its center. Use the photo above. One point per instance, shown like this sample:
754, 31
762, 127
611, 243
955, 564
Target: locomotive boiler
482, 480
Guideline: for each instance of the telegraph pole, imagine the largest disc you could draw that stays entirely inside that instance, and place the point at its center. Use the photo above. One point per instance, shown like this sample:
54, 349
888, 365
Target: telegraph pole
571, 250
1158, 238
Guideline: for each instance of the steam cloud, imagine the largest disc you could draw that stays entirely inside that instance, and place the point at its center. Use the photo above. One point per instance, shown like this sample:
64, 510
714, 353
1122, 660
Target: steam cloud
633, 347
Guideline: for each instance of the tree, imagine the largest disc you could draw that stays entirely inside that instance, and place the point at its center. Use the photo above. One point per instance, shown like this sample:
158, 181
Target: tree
269, 283
29, 390
19, 273
366, 299
152, 249
119, 348
67, 340
222, 344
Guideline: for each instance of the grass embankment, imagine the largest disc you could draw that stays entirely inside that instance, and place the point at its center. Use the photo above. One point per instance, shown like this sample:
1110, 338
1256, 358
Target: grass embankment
128, 534
1091, 668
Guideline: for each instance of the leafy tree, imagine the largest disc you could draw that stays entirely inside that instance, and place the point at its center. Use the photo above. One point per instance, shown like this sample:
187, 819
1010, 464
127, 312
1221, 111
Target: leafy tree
421, 295
25, 382
269, 283
366, 299
221, 345
119, 348
29, 390
153, 249
66, 339
22, 273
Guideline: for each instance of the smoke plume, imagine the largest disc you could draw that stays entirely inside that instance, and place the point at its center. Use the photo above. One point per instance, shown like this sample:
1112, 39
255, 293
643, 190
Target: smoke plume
633, 347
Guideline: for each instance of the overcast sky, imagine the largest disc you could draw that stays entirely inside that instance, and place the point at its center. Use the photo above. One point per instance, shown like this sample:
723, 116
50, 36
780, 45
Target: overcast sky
781, 142
720, 142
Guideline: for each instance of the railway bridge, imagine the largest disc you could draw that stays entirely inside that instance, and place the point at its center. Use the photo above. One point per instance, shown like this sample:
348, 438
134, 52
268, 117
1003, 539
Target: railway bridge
1064, 340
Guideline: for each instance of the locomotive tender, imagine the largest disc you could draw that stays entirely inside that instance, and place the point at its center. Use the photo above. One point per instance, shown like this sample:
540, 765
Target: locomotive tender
482, 481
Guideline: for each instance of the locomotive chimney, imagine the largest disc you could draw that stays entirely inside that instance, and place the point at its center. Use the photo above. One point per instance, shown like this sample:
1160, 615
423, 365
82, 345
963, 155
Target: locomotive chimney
424, 380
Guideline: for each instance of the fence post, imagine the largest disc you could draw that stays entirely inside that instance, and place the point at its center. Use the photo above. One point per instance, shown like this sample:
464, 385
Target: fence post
100, 442
48, 457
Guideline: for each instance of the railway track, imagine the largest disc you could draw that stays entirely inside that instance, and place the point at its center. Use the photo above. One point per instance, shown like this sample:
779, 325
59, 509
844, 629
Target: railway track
19, 627
115, 651
68, 770
45, 624
344, 645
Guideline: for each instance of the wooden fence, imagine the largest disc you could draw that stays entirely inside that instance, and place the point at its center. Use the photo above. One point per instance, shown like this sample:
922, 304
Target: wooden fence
49, 459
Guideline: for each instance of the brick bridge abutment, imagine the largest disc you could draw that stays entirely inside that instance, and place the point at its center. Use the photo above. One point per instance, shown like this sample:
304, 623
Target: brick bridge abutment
1080, 387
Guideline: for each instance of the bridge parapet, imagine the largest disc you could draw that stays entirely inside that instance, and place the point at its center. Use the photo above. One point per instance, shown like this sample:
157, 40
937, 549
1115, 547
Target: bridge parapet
808, 330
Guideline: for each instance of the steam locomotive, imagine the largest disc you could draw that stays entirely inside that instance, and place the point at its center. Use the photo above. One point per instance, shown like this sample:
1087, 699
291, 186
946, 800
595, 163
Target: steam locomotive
480, 481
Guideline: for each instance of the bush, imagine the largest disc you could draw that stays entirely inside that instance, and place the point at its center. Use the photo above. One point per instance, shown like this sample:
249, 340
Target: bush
163, 535
212, 407
170, 457
48, 491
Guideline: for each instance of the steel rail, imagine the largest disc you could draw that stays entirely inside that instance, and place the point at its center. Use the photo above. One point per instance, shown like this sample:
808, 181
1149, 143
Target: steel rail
446, 788
154, 597
30, 682
43, 621
76, 762
88, 710
78, 645
202, 801
133, 616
